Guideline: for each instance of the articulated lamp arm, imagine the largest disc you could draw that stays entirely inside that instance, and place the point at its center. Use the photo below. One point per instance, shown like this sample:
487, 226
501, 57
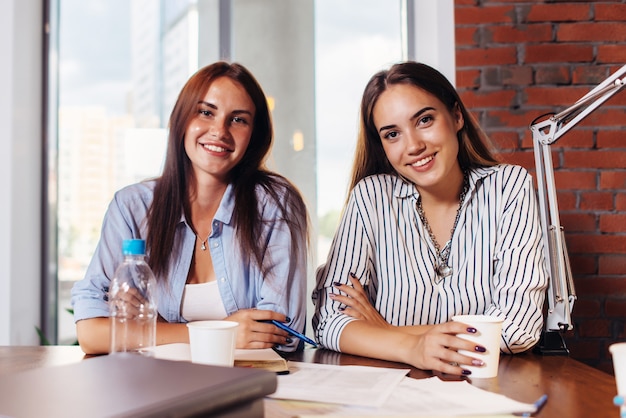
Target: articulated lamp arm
561, 293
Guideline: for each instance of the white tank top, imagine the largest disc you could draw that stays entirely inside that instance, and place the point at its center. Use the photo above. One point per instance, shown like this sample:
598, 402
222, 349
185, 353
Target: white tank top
202, 301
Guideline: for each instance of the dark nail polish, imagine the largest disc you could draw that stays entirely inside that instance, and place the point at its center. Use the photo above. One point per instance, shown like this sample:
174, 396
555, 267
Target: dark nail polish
353, 275
471, 330
287, 319
480, 349
289, 340
466, 372
342, 308
337, 284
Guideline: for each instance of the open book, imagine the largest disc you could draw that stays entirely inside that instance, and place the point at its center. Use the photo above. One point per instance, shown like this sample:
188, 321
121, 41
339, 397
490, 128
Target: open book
265, 358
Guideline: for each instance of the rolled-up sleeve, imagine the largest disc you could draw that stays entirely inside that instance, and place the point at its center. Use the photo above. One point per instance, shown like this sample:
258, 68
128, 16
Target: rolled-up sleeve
122, 220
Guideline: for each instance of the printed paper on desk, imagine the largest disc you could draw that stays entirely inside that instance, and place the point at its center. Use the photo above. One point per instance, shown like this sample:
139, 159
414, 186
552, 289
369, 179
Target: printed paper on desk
435, 397
404, 416
347, 385
425, 398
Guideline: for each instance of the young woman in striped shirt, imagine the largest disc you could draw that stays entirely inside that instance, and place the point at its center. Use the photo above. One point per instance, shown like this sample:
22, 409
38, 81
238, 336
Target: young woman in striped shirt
434, 227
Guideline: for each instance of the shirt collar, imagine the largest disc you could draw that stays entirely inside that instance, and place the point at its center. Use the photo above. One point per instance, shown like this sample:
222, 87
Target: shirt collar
225, 211
227, 206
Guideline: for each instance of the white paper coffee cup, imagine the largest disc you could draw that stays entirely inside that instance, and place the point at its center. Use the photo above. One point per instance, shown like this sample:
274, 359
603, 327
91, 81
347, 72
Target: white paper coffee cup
618, 351
213, 342
488, 333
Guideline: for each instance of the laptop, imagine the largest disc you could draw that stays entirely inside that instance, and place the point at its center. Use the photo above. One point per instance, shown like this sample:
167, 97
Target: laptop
130, 385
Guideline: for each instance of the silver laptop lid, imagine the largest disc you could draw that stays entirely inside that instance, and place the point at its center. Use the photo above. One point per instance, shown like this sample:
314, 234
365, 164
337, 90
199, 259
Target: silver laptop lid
130, 385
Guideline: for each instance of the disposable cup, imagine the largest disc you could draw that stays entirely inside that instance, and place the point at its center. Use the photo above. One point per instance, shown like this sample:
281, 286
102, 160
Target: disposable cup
618, 351
213, 342
488, 332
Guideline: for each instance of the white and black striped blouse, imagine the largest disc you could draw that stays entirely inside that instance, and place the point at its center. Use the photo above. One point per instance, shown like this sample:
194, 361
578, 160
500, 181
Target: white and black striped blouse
497, 256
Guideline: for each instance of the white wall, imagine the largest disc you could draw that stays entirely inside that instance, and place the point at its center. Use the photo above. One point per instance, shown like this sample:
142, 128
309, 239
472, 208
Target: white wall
20, 170
434, 35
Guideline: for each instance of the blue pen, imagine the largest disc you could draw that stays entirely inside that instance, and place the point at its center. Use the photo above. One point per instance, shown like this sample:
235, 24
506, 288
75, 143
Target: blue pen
538, 405
292, 332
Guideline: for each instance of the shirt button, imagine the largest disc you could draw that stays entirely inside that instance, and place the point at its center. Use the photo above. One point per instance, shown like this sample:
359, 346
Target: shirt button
216, 244
222, 279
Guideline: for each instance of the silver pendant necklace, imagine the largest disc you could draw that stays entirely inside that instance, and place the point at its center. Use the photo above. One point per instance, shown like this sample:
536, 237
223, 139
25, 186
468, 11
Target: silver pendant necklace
204, 243
442, 269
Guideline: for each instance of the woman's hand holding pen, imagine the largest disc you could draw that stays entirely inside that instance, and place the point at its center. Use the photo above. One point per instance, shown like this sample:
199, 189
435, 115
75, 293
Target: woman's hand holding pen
254, 334
357, 304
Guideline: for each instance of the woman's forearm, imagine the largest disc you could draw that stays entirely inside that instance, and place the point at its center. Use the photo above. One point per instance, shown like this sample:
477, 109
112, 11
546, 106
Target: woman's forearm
435, 349
415, 329
94, 334
367, 340
171, 332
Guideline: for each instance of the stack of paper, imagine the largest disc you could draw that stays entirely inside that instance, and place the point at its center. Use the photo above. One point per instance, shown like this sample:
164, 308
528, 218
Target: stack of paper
349, 385
348, 391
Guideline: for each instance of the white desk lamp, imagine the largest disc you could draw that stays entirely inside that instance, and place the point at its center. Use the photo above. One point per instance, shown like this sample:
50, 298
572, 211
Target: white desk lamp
561, 292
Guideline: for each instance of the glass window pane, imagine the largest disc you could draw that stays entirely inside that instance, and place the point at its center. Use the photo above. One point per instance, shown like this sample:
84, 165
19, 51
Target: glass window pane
94, 76
354, 39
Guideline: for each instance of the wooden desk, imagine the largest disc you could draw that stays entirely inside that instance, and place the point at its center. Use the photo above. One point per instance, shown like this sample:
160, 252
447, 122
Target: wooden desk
574, 389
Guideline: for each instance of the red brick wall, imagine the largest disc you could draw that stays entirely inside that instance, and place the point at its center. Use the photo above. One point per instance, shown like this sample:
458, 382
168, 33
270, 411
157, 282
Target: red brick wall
517, 60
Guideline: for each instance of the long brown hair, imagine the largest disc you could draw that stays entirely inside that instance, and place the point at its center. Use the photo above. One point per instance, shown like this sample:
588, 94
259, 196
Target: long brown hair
171, 193
370, 158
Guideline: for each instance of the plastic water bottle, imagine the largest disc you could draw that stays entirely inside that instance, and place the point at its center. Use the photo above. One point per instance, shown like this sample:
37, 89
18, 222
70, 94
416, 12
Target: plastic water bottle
132, 302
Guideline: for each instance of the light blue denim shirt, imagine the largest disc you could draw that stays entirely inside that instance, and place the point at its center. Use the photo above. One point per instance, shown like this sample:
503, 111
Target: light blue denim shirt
241, 284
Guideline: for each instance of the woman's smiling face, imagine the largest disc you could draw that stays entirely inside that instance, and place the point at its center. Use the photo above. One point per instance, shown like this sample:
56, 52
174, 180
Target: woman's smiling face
418, 134
218, 135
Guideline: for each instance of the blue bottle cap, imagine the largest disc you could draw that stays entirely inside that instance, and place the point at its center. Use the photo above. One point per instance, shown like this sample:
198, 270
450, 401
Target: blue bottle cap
134, 247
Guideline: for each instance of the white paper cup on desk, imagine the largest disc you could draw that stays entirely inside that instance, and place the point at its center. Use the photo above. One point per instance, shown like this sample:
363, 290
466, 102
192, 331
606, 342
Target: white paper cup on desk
618, 351
213, 342
488, 332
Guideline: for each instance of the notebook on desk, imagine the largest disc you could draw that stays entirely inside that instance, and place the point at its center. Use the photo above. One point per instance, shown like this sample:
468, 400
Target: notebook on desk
135, 386
265, 358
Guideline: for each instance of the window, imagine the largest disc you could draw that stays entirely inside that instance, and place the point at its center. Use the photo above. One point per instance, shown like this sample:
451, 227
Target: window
122, 63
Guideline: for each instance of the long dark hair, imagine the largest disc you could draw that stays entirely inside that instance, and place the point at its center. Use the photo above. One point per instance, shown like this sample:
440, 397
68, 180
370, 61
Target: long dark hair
370, 158
171, 193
